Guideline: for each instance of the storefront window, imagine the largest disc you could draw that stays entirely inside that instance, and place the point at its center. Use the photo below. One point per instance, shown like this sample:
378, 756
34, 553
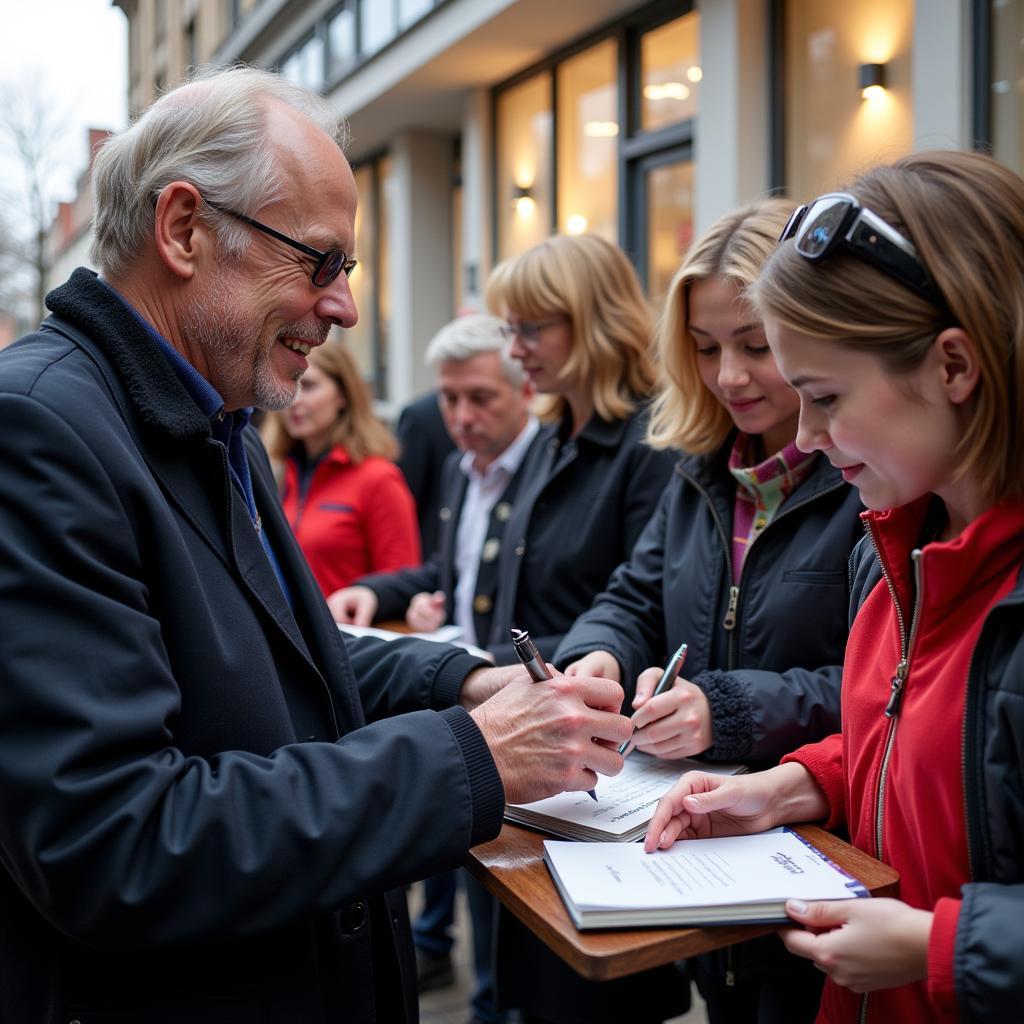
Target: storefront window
341, 39
370, 281
832, 131
669, 188
670, 73
305, 66
1008, 83
588, 132
376, 24
524, 192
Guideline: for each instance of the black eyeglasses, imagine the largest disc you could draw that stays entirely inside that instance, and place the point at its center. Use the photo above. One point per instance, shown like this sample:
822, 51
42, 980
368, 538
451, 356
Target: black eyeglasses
838, 219
328, 264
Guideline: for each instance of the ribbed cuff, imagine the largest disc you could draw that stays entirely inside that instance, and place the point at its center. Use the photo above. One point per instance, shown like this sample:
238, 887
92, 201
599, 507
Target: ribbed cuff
732, 716
819, 760
941, 953
450, 675
487, 792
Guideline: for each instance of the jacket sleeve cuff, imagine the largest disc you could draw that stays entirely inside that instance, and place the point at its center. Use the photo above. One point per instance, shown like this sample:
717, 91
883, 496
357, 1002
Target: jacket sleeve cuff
450, 675
824, 760
488, 794
732, 716
941, 953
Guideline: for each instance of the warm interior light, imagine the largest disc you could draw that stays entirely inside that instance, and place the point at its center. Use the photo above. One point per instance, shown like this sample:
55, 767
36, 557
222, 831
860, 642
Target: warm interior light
524, 206
694, 73
667, 91
873, 92
872, 80
601, 129
576, 224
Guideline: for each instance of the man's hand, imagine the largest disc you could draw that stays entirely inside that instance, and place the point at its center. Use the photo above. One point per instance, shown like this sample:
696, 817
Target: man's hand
426, 612
549, 737
704, 806
676, 723
862, 944
597, 665
483, 683
354, 606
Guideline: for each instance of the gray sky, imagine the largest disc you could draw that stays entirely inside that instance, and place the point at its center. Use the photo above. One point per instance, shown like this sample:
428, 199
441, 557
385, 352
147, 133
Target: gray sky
78, 50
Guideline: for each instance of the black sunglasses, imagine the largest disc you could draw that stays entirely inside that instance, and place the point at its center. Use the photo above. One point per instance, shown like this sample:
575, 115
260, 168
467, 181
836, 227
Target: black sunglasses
838, 219
328, 264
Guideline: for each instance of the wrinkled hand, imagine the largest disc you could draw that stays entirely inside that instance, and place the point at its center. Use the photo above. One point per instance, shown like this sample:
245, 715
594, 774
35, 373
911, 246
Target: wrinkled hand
354, 606
426, 612
676, 723
483, 683
553, 736
597, 665
705, 806
862, 944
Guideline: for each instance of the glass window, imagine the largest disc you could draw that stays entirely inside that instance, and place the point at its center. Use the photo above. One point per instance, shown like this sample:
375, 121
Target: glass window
670, 73
376, 24
524, 193
832, 131
305, 66
588, 132
370, 281
1008, 83
341, 39
412, 10
669, 190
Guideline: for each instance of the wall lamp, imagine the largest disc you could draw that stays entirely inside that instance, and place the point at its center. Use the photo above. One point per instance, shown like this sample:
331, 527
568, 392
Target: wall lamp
872, 80
522, 200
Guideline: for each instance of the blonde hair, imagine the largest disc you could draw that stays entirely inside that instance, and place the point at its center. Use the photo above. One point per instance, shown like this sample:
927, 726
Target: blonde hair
686, 414
964, 214
591, 282
357, 430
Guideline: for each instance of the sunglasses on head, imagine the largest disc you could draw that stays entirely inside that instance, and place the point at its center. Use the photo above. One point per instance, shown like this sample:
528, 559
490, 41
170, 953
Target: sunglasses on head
838, 220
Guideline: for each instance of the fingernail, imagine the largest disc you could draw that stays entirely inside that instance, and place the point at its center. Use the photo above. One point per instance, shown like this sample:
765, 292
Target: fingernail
796, 907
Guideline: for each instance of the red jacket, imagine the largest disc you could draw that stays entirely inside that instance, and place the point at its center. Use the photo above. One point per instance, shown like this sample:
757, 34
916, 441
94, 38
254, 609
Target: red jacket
900, 778
354, 519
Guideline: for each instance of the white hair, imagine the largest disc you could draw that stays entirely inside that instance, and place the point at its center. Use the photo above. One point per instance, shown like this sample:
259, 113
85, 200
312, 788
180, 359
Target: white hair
471, 335
209, 131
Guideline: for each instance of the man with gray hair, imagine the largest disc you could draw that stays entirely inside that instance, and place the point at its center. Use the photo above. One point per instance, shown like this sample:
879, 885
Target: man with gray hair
197, 822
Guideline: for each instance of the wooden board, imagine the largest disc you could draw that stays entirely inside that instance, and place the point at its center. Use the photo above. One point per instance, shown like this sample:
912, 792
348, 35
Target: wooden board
513, 869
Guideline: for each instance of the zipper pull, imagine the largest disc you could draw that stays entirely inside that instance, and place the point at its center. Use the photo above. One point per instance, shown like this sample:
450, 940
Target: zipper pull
729, 622
893, 707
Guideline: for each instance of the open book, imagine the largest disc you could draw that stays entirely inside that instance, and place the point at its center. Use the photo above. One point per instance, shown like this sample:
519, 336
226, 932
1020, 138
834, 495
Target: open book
735, 880
624, 805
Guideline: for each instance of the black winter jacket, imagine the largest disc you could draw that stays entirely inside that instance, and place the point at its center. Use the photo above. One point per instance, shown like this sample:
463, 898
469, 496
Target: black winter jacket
196, 822
767, 653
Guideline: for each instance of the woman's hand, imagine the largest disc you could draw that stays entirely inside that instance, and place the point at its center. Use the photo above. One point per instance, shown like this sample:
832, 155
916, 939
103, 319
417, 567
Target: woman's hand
597, 665
676, 723
704, 806
862, 945
426, 612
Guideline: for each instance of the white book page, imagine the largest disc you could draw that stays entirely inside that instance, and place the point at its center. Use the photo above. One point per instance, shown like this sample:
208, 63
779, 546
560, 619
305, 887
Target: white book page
443, 635
769, 866
625, 799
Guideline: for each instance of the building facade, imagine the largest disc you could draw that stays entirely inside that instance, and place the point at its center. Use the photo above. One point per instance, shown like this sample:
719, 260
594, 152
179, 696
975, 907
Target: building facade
481, 126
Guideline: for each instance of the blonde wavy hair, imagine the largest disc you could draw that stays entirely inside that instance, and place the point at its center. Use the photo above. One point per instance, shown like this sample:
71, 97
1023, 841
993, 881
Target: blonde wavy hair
964, 214
686, 414
357, 430
590, 281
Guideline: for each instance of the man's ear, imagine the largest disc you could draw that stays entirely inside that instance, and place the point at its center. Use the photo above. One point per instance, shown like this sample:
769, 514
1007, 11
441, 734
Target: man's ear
182, 238
957, 359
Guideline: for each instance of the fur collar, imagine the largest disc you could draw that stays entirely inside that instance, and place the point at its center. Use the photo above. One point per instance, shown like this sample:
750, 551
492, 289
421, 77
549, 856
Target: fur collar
153, 387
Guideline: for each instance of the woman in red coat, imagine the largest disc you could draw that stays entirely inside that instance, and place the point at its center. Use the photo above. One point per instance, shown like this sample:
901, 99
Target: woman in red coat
346, 500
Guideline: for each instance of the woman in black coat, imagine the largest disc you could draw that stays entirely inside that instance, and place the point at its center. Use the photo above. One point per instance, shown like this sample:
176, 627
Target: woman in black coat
745, 561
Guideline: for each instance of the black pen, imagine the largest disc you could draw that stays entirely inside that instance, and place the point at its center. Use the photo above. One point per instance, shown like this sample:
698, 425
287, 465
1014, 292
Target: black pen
526, 651
668, 677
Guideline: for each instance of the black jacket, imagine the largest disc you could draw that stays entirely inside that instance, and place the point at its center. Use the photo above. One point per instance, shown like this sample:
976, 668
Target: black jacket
425, 444
988, 966
771, 668
394, 590
196, 821
584, 502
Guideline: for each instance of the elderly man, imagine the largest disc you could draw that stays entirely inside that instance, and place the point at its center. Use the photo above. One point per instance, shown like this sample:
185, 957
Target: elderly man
197, 822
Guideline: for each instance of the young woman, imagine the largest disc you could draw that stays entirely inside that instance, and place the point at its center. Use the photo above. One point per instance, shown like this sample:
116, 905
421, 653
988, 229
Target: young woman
346, 500
897, 311
744, 560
